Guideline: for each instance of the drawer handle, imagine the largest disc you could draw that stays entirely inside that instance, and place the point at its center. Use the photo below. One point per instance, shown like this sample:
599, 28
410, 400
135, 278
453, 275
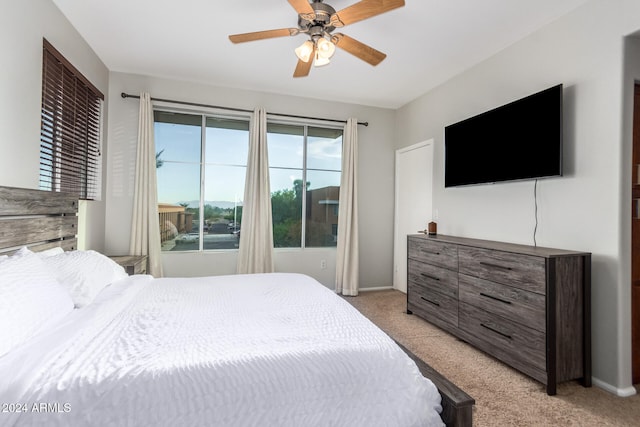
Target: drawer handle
489, 264
431, 252
495, 298
430, 302
496, 331
430, 277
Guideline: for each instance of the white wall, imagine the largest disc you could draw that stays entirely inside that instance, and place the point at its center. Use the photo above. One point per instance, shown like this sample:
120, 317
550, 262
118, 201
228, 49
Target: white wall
582, 210
376, 183
23, 24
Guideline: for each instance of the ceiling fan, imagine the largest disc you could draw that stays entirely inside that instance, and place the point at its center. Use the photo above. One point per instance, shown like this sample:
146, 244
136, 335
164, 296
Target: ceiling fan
318, 20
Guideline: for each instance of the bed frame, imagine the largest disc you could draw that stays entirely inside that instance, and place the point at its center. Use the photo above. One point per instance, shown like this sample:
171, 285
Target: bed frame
457, 406
43, 219
37, 219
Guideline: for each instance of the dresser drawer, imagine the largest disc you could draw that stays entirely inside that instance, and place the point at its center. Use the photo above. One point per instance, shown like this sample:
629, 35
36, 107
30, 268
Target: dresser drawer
431, 303
433, 277
524, 345
527, 308
517, 270
433, 252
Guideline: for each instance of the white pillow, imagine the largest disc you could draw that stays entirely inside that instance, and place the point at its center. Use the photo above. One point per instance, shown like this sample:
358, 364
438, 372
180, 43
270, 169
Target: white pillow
50, 252
23, 251
42, 254
84, 273
30, 299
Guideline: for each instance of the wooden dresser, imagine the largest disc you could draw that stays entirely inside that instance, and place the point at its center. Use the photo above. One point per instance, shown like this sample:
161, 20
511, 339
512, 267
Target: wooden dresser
527, 306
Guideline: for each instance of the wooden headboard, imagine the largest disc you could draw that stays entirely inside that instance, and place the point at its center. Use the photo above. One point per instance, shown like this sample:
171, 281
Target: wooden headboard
37, 219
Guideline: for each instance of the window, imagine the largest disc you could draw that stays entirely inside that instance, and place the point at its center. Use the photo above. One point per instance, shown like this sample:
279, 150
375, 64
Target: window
304, 167
70, 128
201, 165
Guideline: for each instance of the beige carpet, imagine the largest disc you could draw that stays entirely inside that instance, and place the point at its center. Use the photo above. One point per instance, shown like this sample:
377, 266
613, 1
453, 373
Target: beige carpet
504, 397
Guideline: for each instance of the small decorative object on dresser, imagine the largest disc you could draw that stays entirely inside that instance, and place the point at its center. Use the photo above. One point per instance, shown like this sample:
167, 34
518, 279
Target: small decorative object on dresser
133, 264
527, 306
432, 228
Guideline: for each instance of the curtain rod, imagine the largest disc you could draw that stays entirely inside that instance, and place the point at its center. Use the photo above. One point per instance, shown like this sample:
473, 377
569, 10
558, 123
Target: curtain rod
194, 104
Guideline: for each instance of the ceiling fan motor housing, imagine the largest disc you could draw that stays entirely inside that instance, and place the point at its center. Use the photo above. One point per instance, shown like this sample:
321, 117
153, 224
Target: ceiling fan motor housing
322, 19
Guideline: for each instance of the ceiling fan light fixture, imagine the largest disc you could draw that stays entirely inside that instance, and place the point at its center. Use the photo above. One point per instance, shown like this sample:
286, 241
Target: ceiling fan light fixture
325, 48
320, 60
303, 52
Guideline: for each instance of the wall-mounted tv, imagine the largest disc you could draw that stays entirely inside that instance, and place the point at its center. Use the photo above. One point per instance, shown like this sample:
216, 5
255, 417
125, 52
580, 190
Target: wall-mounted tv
519, 140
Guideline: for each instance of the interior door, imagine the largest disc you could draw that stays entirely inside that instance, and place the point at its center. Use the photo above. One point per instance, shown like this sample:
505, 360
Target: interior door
413, 202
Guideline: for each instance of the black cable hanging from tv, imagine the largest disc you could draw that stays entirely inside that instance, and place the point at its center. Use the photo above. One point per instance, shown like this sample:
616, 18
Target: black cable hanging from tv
243, 110
535, 202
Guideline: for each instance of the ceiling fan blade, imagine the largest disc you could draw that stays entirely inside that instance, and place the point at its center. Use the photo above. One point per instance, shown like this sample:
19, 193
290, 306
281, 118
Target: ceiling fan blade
303, 68
358, 49
260, 35
304, 9
362, 10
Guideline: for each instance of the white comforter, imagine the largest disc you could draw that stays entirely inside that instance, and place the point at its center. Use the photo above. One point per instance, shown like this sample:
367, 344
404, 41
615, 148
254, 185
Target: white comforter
247, 350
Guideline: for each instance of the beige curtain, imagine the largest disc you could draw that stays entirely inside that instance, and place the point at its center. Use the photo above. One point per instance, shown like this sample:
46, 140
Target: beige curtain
255, 254
347, 256
145, 229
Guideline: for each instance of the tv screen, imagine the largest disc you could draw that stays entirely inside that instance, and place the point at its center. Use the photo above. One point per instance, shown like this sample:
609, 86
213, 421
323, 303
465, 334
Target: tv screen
519, 140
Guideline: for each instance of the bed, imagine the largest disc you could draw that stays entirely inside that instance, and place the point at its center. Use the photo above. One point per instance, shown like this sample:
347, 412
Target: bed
274, 349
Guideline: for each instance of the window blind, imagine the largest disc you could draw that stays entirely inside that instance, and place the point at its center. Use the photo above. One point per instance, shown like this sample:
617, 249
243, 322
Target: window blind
70, 128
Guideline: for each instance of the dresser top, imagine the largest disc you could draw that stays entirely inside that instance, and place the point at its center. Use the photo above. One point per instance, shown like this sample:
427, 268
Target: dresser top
501, 246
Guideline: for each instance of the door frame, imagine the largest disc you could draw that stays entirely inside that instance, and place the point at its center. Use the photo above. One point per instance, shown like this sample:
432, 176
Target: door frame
635, 244
396, 207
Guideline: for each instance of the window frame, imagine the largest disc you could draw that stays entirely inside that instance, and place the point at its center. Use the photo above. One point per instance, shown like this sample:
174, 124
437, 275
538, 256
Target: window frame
305, 124
204, 113
202, 164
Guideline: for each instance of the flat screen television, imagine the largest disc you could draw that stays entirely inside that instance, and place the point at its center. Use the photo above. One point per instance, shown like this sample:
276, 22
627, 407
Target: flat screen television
517, 141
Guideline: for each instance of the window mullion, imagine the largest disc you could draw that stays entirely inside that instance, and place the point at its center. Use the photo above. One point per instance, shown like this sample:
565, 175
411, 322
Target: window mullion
303, 223
203, 144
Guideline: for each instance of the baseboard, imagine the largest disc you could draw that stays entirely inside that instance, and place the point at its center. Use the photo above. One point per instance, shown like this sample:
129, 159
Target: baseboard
381, 288
620, 392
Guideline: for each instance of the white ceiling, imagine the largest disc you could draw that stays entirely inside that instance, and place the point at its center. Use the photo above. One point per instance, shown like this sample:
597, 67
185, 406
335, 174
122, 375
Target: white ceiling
427, 42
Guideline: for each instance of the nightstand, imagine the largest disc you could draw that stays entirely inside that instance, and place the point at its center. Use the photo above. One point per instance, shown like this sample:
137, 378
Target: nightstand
133, 264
